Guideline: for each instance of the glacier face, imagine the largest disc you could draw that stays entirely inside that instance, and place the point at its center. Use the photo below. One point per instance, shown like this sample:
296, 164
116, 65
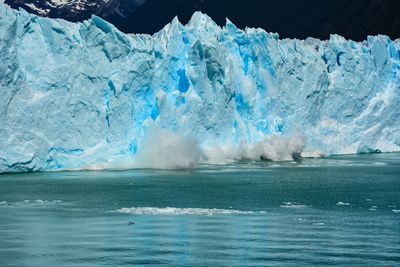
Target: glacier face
85, 95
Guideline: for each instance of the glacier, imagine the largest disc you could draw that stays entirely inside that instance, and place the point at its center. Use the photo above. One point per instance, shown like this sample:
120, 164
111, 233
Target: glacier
87, 96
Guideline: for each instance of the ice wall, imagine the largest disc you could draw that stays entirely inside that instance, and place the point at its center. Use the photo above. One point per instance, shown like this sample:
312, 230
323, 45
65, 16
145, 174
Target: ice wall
84, 95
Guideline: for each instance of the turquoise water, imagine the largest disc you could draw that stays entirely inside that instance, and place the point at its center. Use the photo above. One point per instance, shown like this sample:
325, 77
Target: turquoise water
335, 211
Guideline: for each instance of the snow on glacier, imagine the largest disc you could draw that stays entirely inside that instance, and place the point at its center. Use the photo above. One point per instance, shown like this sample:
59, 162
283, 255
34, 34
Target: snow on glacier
87, 96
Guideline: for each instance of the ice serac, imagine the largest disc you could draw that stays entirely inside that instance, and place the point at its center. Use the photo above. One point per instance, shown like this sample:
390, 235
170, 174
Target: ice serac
85, 95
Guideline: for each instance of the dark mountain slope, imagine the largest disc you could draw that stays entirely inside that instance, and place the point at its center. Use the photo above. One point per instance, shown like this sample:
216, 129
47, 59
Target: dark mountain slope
353, 19
72, 10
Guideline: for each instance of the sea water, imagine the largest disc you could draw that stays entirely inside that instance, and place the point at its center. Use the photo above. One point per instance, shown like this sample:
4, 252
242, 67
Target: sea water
335, 211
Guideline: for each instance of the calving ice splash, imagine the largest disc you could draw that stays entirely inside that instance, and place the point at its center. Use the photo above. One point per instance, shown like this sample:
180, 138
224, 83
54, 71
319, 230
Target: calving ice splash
165, 149
87, 96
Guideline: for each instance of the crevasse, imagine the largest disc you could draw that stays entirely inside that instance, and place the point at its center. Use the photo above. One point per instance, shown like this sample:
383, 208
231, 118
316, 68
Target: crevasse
85, 95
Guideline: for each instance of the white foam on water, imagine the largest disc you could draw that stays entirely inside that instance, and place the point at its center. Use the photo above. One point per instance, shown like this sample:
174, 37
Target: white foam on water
181, 211
396, 211
340, 203
293, 205
313, 154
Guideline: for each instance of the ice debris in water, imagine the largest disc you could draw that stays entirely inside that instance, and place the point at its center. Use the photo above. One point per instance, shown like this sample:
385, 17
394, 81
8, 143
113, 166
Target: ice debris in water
30, 203
84, 95
340, 203
293, 205
181, 211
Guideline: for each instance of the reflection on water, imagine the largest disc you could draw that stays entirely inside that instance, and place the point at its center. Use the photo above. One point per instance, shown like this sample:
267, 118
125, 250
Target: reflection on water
336, 211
